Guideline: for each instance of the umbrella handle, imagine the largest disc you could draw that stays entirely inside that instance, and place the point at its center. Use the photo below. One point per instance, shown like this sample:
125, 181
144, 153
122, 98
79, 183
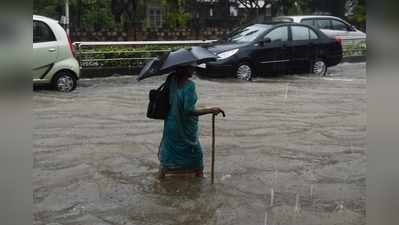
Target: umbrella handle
213, 149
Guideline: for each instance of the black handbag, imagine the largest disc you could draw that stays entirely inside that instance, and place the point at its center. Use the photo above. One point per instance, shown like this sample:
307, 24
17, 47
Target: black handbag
158, 107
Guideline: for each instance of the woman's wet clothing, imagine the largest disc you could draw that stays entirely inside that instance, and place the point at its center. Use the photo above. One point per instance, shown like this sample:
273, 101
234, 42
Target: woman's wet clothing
180, 147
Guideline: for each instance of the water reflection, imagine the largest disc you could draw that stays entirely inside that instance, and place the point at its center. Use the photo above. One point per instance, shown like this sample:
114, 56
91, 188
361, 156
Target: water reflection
176, 200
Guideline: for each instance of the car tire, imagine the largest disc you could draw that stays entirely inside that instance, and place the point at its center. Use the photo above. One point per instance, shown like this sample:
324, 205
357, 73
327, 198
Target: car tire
318, 67
65, 81
245, 71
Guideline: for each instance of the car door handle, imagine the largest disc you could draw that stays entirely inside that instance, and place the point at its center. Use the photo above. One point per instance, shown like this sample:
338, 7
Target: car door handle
52, 50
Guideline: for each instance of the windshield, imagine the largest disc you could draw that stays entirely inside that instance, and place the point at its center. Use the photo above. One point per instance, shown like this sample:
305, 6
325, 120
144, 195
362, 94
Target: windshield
247, 34
283, 19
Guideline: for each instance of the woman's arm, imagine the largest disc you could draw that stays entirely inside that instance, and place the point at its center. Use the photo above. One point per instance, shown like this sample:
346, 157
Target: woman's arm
190, 98
214, 111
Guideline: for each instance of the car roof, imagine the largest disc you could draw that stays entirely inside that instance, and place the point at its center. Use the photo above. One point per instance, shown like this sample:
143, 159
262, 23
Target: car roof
276, 23
309, 16
44, 18
271, 23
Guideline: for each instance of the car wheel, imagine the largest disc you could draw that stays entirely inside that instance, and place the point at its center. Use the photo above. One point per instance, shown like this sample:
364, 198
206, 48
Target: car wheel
319, 67
245, 71
65, 82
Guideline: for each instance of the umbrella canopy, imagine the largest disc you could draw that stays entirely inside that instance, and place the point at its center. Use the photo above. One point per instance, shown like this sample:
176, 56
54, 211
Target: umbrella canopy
168, 62
153, 67
203, 55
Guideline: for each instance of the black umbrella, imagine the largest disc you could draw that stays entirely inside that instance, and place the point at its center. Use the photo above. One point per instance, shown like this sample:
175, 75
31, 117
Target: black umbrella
168, 62
153, 67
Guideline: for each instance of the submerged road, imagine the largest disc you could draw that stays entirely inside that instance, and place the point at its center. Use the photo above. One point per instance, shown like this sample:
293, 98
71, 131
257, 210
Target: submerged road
292, 150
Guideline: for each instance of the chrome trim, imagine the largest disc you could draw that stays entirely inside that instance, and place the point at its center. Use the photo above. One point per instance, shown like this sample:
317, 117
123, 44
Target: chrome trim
275, 61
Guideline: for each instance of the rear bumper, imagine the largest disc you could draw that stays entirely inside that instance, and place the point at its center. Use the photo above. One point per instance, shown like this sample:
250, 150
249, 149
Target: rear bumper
334, 60
334, 55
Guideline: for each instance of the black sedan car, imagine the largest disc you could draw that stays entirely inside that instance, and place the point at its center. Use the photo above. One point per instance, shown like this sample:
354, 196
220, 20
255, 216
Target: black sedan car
263, 49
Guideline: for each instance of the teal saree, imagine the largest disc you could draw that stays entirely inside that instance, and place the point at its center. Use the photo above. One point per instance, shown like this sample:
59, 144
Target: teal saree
180, 147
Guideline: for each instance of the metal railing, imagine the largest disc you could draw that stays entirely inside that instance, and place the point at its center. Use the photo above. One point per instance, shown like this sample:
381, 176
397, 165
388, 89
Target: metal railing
129, 56
107, 43
137, 54
354, 46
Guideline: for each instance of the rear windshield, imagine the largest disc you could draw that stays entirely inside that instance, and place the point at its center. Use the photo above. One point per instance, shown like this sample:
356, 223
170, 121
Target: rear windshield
283, 19
247, 34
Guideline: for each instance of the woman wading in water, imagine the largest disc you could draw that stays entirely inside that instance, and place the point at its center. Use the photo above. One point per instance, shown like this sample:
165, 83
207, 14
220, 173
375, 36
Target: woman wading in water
180, 149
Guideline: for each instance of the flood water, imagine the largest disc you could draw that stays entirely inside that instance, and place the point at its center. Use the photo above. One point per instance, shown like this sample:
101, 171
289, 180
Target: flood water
290, 151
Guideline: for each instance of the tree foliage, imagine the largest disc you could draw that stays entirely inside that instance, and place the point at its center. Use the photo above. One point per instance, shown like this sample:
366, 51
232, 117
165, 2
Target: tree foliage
50, 8
254, 4
94, 14
359, 16
285, 7
178, 15
128, 11
99, 14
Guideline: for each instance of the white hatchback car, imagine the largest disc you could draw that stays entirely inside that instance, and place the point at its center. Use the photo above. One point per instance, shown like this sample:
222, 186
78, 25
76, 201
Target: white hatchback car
330, 25
53, 55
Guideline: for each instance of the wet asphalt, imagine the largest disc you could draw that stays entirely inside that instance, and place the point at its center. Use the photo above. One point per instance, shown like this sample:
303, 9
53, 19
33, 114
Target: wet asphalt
292, 150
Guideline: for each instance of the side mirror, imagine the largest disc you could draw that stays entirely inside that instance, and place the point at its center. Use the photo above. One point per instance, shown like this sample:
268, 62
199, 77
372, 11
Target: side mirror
260, 43
352, 28
263, 42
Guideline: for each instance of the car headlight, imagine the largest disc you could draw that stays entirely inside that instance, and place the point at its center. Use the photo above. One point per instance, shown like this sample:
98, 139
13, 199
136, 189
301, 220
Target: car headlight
227, 54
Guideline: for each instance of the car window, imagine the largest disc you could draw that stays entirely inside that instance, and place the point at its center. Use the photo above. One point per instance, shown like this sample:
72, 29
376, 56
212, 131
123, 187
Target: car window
283, 19
338, 25
323, 23
308, 22
300, 33
313, 35
42, 32
36, 32
247, 34
278, 34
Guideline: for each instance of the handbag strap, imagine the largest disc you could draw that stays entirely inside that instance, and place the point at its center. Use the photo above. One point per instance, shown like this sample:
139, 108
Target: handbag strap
162, 85
165, 83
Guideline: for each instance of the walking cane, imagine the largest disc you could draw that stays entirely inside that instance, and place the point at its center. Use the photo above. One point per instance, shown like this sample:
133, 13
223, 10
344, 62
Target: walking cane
213, 148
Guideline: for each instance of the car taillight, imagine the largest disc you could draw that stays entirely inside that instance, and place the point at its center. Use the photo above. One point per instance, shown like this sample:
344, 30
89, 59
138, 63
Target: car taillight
71, 46
339, 40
